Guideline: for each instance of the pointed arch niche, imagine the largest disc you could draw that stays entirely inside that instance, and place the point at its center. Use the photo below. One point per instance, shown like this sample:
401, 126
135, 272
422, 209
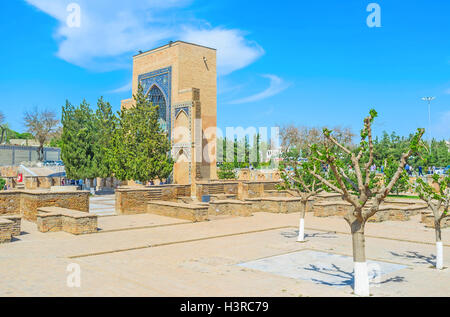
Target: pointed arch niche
182, 128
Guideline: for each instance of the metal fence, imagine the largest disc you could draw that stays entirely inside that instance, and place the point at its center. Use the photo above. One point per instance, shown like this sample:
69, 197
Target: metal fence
15, 155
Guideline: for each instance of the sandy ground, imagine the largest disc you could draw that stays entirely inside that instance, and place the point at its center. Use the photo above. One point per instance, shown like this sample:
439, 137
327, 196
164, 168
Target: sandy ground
149, 255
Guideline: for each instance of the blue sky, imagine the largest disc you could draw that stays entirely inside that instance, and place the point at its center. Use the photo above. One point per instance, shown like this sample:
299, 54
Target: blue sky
310, 63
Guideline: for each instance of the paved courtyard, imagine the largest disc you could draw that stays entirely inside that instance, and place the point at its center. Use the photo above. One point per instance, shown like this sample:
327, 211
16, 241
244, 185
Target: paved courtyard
149, 255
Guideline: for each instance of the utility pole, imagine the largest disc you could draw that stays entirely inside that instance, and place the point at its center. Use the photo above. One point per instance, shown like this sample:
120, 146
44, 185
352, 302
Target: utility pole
429, 100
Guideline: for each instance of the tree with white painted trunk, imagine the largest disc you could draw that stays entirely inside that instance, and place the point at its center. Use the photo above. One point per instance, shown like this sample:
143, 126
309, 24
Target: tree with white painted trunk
298, 178
359, 187
438, 201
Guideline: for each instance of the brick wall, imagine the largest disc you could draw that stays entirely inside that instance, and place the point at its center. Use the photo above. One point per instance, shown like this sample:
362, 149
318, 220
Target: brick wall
27, 202
131, 200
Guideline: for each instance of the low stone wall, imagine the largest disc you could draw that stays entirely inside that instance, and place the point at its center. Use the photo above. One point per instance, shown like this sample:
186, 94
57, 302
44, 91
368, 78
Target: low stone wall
191, 212
31, 201
26, 202
278, 193
51, 219
326, 208
230, 207
243, 189
404, 202
5, 230
134, 200
222, 197
328, 197
397, 213
9, 171
275, 204
9, 202
16, 226
427, 218
41, 182
216, 188
9, 228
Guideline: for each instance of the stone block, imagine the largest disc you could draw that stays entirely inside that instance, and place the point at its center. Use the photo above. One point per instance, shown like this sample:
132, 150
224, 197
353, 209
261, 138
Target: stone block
327, 208
191, 212
230, 207
427, 218
16, 224
52, 219
5, 230
276, 204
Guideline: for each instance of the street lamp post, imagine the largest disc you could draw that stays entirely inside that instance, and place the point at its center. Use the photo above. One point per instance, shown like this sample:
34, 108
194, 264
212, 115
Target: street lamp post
429, 100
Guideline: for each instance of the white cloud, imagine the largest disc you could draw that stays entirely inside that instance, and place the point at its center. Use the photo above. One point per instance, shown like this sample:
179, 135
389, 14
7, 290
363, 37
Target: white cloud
276, 86
124, 88
233, 50
111, 31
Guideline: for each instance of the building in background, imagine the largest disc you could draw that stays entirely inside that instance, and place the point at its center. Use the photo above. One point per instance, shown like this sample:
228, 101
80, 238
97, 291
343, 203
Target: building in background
14, 155
181, 78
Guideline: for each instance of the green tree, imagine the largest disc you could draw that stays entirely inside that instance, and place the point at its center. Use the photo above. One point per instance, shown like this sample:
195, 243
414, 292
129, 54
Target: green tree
141, 147
438, 201
226, 171
78, 141
105, 123
335, 154
2, 183
298, 178
402, 184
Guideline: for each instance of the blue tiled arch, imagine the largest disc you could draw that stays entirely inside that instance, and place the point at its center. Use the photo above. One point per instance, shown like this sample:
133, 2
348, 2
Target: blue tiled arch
162, 78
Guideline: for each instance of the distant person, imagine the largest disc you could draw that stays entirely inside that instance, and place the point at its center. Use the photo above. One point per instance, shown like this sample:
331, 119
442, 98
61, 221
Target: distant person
382, 169
420, 171
5, 187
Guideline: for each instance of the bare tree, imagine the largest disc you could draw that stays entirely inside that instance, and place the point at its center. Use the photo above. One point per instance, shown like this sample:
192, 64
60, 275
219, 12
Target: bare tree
42, 125
438, 201
300, 137
363, 194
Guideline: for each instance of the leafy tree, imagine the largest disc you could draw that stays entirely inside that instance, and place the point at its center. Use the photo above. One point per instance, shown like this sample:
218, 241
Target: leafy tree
78, 141
297, 177
226, 171
402, 184
42, 125
358, 194
105, 123
438, 201
393, 146
2, 183
141, 148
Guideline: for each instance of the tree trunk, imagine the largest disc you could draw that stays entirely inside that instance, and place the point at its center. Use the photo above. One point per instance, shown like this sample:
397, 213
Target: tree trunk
361, 278
439, 246
301, 227
40, 151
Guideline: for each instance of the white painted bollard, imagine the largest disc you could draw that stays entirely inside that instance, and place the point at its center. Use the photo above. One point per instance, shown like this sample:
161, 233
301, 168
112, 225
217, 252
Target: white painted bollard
439, 255
361, 279
301, 230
